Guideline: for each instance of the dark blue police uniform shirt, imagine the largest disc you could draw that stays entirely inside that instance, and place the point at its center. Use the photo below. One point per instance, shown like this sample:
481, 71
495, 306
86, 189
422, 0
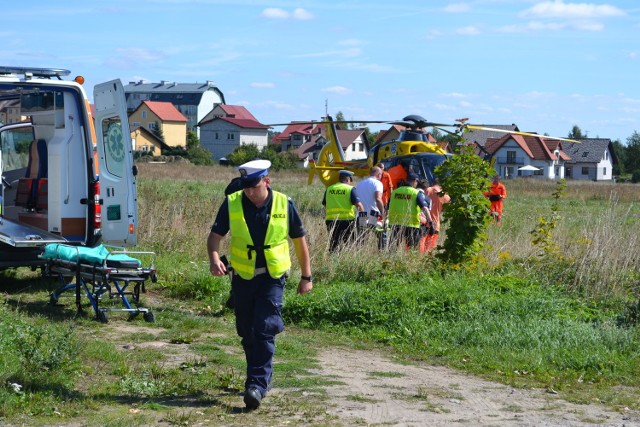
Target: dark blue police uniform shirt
257, 221
422, 200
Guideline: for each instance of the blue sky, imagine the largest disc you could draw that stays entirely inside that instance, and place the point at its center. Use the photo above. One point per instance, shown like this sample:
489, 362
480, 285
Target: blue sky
543, 65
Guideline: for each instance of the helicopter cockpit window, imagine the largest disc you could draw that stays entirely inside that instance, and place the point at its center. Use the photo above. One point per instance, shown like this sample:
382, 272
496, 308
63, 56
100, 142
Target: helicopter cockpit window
429, 163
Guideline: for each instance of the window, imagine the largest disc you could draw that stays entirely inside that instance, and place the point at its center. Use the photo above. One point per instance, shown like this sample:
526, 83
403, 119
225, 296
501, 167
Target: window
136, 124
606, 154
216, 135
538, 172
353, 147
585, 170
144, 114
585, 154
114, 146
511, 156
604, 171
151, 125
361, 147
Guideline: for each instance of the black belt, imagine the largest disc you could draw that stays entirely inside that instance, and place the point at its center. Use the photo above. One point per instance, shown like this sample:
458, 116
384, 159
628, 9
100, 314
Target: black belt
255, 248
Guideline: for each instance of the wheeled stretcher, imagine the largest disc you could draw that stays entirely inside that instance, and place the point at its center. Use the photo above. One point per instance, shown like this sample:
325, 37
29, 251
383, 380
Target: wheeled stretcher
101, 274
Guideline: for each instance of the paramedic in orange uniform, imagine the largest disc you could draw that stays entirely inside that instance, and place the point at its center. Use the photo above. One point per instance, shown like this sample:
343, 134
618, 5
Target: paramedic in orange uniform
496, 194
438, 198
387, 186
398, 175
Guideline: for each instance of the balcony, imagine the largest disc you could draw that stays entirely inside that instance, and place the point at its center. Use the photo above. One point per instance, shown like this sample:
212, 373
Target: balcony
509, 160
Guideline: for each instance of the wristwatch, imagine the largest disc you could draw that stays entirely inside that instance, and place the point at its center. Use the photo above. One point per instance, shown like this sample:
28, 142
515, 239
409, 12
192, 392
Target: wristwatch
307, 278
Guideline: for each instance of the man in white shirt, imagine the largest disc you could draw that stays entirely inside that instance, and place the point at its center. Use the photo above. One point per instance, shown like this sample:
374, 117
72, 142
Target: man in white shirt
370, 192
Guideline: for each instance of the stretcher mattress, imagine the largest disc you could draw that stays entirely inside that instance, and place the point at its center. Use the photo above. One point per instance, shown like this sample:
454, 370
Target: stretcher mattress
97, 256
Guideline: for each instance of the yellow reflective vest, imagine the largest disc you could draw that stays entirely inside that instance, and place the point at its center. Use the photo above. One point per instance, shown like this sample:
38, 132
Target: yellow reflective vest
275, 246
338, 202
403, 207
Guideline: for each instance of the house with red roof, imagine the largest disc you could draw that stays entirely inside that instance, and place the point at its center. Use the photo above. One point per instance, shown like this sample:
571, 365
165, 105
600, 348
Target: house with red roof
161, 118
352, 142
307, 139
522, 155
227, 127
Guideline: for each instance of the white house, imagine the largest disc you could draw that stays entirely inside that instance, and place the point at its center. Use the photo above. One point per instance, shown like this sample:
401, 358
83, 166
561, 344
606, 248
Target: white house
227, 127
512, 153
592, 158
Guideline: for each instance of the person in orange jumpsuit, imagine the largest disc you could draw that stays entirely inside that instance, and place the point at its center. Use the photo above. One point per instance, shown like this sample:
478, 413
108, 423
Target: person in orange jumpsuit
387, 186
438, 198
497, 193
398, 175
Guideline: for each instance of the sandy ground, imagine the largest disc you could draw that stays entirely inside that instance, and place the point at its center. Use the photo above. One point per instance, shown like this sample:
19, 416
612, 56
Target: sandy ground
375, 390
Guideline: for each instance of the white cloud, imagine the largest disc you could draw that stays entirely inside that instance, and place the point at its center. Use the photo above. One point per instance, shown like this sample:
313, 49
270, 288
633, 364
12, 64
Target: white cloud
537, 26
338, 90
454, 95
468, 31
302, 14
263, 85
277, 13
456, 8
559, 9
465, 104
138, 54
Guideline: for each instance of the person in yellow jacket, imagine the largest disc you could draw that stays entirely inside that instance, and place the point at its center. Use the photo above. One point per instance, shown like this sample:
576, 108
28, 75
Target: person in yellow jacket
341, 201
405, 207
260, 222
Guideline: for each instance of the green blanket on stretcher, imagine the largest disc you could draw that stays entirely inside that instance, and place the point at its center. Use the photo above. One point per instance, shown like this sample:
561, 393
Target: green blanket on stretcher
95, 256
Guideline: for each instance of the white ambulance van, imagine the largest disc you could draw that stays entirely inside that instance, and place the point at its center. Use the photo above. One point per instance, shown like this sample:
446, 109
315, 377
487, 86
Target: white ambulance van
67, 173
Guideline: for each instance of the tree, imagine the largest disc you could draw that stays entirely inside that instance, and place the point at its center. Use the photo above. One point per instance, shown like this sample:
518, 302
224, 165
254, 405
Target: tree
157, 131
621, 154
576, 133
632, 156
465, 177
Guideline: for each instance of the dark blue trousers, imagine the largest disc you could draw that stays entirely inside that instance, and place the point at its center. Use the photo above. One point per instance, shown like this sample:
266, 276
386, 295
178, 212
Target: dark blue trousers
258, 309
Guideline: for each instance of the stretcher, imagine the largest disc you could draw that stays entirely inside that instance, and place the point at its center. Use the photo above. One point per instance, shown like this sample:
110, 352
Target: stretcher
101, 274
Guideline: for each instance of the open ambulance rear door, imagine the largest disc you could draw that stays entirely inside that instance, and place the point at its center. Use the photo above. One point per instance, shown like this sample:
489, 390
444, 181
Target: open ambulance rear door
116, 169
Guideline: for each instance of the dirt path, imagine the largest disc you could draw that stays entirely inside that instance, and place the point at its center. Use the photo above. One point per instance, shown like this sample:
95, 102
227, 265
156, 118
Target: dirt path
378, 391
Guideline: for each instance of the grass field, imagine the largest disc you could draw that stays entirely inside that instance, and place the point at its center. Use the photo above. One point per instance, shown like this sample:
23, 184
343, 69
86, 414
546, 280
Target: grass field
565, 320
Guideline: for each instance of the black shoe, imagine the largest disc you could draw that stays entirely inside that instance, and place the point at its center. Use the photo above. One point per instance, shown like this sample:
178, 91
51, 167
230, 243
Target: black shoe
252, 398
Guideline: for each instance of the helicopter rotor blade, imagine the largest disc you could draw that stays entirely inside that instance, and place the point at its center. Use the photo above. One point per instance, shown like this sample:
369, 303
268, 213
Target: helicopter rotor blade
472, 127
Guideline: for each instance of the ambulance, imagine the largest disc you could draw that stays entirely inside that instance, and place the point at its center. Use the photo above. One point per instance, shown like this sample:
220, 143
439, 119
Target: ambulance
67, 171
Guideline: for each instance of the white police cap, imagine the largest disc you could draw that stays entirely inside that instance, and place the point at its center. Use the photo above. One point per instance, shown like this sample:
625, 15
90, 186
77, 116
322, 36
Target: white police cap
251, 172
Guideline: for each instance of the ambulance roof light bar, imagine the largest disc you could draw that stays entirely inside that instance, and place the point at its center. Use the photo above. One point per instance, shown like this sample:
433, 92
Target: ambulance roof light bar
30, 72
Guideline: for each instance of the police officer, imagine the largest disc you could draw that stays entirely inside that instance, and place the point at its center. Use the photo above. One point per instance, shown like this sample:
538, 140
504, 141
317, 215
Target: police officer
259, 221
406, 204
339, 202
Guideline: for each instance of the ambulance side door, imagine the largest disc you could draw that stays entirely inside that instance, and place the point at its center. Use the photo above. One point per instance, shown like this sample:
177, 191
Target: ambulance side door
117, 172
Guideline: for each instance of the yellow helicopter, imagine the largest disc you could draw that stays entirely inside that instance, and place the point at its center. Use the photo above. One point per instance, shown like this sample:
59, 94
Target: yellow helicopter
413, 148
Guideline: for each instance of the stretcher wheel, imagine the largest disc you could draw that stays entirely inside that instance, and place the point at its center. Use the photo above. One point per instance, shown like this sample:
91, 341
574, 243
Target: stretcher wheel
53, 299
102, 316
149, 317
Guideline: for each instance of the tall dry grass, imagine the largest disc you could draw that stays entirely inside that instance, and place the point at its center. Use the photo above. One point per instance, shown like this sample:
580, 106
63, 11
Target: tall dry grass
597, 233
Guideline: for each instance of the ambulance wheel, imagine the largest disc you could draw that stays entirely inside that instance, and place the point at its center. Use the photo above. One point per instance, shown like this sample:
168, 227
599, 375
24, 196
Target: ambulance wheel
102, 316
154, 277
149, 317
